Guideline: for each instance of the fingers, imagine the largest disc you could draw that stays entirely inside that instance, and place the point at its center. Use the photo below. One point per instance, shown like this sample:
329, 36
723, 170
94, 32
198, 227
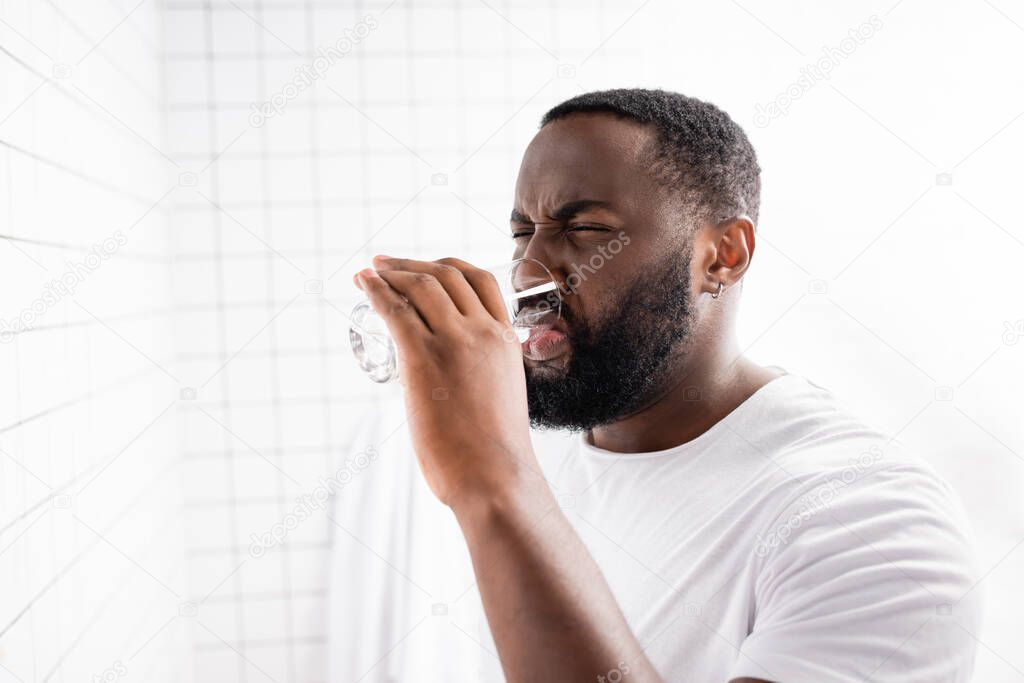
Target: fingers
484, 285
402, 319
449, 276
443, 291
427, 296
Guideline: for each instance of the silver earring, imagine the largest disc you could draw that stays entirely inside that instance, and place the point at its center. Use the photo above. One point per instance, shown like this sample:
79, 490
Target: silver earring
717, 294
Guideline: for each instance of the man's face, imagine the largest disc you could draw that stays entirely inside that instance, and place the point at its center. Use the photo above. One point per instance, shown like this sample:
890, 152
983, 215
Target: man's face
588, 208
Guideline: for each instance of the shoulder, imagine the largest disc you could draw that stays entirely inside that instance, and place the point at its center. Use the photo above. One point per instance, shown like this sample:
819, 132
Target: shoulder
841, 494
867, 561
818, 447
870, 511
834, 471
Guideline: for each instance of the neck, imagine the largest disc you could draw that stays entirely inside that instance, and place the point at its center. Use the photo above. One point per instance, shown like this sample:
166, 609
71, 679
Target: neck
704, 390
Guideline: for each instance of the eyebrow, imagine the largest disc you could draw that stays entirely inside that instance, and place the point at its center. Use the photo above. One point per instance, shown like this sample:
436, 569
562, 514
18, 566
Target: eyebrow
564, 212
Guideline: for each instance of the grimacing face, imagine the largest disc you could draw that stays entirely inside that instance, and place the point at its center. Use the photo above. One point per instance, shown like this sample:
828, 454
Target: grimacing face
584, 190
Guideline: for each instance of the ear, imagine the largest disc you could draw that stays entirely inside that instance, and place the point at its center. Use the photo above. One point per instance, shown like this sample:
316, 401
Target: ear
727, 248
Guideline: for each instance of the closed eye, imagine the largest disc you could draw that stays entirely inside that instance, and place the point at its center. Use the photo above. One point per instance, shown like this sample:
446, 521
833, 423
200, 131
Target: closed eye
571, 228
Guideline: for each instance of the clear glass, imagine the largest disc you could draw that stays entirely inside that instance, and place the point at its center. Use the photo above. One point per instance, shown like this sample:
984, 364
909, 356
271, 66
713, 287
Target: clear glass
532, 299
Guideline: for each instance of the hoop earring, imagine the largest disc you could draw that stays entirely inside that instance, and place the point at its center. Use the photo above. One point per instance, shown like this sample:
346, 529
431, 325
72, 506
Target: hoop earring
721, 288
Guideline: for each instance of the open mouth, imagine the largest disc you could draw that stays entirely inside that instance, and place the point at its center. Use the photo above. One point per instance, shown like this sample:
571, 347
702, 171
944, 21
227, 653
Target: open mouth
546, 342
542, 333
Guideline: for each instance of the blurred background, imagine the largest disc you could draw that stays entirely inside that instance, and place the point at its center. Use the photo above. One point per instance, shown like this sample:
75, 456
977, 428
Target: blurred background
187, 187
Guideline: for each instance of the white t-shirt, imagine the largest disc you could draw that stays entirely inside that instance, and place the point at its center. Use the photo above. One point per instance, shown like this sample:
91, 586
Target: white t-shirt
789, 543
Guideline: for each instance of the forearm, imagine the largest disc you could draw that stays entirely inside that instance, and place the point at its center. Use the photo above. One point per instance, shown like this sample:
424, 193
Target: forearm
551, 613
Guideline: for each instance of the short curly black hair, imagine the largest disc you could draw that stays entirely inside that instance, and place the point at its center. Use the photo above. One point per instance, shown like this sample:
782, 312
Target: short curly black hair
699, 152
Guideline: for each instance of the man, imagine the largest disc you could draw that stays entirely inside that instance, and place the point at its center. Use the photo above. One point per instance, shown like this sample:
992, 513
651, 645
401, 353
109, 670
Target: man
727, 521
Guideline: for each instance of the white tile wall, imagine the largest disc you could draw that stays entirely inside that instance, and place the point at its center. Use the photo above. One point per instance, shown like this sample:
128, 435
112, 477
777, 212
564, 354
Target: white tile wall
91, 545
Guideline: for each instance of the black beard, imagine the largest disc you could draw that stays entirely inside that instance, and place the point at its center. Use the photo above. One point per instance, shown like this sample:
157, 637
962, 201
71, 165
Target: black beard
619, 366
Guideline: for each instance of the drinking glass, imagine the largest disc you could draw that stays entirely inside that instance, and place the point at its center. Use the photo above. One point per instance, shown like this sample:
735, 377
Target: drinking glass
532, 299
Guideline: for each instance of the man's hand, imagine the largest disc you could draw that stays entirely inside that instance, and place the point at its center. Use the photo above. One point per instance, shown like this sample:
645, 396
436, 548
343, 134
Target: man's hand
462, 370
549, 608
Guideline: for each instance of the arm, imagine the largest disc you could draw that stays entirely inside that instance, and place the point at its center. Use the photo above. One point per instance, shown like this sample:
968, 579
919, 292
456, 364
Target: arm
550, 610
